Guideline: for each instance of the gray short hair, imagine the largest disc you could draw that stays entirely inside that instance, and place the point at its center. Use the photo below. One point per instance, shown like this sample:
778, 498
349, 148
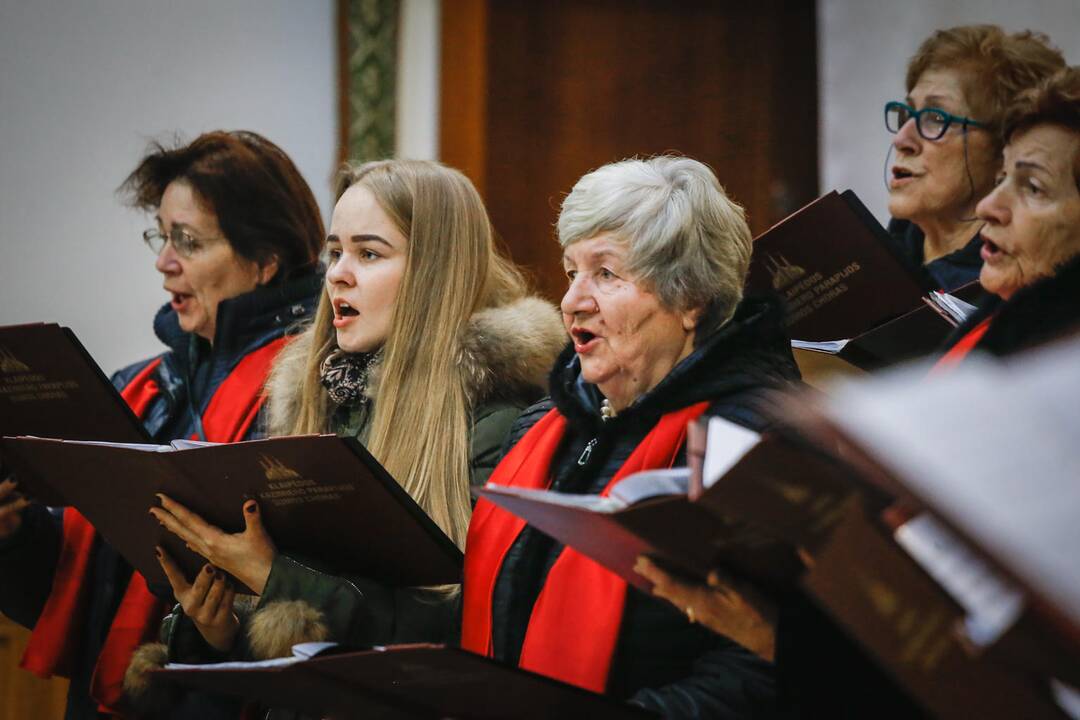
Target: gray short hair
689, 243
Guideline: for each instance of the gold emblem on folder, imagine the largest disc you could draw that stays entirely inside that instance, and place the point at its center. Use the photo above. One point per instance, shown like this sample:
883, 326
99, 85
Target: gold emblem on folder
9, 364
275, 470
881, 596
791, 492
783, 272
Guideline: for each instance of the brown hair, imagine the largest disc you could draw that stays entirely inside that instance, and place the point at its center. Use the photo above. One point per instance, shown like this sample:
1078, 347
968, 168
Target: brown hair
1055, 101
263, 205
994, 66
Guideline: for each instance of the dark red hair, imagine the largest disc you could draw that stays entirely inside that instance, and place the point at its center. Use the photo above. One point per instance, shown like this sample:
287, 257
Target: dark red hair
263, 205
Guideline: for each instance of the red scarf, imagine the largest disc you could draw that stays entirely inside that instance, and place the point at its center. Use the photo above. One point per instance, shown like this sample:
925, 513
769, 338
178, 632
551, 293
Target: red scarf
963, 347
52, 646
575, 623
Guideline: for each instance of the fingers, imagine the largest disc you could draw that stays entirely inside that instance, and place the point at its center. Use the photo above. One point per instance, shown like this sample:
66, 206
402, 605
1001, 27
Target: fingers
170, 523
725, 585
214, 596
664, 585
649, 570
225, 608
253, 519
197, 595
176, 578
8, 489
16, 506
184, 517
12, 505
186, 525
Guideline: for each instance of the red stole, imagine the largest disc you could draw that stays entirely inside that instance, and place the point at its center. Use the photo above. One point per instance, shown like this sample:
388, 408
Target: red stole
962, 348
575, 623
52, 646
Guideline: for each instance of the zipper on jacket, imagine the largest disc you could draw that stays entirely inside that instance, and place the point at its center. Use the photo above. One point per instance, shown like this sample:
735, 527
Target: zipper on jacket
586, 452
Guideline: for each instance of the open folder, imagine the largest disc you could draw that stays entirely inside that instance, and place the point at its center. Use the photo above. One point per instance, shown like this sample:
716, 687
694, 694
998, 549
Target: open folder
972, 599
402, 681
847, 294
320, 496
764, 500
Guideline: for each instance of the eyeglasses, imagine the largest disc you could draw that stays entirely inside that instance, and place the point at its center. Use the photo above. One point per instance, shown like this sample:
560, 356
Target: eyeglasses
183, 242
931, 123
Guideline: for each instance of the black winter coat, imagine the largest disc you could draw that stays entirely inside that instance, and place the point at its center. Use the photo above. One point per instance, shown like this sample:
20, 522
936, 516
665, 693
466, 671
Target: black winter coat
949, 272
662, 661
1042, 312
188, 375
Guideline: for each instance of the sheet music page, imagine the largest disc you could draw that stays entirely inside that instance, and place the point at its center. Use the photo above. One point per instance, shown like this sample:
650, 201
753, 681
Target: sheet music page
957, 310
595, 503
727, 444
991, 602
830, 347
993, 447
142, 447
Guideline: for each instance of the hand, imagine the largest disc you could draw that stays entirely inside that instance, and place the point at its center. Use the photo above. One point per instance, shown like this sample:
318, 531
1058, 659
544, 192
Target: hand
208, 602
735, 610
246, 555
12, 505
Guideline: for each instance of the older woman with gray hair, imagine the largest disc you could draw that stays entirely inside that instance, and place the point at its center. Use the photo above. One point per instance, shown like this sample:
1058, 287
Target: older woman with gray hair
656, 256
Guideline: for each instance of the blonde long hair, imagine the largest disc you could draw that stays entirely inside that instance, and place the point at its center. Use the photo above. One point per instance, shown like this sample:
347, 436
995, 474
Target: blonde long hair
420, 424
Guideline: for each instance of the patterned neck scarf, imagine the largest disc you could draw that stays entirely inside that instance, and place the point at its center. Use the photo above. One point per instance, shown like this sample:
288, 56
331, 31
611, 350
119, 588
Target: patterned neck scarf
345, 376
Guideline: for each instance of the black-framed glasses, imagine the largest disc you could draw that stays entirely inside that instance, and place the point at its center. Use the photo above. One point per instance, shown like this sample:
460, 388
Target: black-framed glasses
931, 123
183, 241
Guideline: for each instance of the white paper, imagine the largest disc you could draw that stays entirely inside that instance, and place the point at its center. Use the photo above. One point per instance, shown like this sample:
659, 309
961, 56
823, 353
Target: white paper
993, 447
991, 603
727, 444
829, 347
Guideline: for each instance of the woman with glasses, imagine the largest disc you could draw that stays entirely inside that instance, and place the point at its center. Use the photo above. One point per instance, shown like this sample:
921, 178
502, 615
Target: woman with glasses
237, 236
946, 145
1030, 238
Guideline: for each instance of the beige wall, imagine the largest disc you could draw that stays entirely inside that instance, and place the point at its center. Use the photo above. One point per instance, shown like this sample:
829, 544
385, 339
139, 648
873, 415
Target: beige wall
84, 85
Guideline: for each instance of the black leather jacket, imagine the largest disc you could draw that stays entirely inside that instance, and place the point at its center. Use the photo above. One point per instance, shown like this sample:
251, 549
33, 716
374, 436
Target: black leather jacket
187, 376
661, 661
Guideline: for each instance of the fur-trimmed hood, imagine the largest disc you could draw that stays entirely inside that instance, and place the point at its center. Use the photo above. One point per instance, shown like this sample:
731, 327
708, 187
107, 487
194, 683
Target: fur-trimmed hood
507, 352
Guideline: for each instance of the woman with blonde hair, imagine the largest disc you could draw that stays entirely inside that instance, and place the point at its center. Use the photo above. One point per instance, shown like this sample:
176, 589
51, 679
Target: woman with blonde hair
426, 347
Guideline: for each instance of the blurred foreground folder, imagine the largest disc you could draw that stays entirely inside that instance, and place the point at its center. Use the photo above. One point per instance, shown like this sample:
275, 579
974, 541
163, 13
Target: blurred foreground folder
973, 602
402, 681
319, 496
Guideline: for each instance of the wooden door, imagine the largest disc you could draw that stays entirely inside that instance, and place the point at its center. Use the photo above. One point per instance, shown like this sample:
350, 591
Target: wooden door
535, 94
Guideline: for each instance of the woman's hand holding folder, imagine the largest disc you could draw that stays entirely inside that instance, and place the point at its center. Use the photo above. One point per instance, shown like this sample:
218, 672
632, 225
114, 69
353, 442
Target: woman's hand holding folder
12, 504
725, 606
208, 602
247, 555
